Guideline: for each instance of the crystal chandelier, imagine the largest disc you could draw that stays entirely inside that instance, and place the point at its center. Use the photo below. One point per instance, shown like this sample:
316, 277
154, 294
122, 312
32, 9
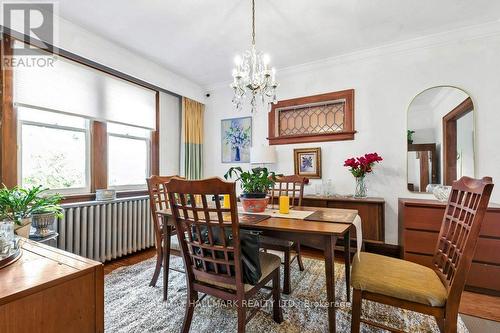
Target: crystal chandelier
253, 76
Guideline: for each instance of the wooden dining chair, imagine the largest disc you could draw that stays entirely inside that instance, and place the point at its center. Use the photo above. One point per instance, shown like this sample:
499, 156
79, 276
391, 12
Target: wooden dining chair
209, 237
292, 186
435, 290
158, 200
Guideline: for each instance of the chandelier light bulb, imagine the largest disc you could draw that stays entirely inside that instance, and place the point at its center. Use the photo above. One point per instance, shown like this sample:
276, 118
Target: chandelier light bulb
237, 60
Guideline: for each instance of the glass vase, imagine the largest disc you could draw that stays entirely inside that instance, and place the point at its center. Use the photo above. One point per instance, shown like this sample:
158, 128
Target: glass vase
361, 190
6, 238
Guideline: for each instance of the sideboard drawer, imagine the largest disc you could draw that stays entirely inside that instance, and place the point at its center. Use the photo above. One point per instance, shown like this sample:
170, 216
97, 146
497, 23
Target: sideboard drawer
423, 242
484, 276
422, 218
491, 225
419, 227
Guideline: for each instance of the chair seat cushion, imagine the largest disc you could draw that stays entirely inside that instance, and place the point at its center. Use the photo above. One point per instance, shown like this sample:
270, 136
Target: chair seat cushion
397, 278
270, 241
268, 263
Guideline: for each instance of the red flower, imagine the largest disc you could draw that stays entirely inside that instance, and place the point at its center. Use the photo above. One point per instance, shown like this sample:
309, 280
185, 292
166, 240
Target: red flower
359, 166
351, 162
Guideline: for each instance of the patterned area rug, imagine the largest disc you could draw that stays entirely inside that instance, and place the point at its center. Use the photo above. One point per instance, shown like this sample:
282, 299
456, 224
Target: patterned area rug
132, 306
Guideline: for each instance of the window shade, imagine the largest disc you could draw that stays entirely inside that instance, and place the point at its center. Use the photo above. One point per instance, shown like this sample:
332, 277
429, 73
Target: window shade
73, 88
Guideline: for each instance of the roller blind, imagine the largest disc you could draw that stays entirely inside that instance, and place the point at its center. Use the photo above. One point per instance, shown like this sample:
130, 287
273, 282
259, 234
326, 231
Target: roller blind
70, 87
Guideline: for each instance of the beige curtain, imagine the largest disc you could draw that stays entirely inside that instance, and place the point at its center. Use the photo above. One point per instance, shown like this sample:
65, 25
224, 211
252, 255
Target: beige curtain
192, 128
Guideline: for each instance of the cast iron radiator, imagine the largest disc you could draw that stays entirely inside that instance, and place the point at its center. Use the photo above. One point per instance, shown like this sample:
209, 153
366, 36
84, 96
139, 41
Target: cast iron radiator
106, 230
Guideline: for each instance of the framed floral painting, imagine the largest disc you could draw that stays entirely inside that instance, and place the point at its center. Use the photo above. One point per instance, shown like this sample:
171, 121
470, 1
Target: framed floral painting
307, 162
236, 137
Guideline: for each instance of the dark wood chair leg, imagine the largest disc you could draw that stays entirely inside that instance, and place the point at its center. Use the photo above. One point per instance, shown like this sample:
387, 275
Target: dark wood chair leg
440, 324
299, 256
242, 317
277, 311
356, 311
166, 261
450, 323
188, 316
159, 259
347, 263
286, 280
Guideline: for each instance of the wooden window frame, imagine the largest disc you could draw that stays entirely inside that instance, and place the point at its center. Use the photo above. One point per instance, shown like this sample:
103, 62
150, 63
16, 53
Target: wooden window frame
98, 133
347, 134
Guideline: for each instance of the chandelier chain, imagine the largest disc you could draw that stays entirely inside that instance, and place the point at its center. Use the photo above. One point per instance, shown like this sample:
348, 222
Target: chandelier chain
253, 22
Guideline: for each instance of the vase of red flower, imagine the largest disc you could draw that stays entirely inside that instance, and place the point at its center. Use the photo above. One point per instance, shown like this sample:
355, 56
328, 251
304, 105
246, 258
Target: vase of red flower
359, 167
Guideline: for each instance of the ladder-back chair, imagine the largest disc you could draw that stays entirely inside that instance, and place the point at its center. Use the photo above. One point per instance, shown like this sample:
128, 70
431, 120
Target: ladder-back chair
209, 236
158, 200
435, 290
293, 187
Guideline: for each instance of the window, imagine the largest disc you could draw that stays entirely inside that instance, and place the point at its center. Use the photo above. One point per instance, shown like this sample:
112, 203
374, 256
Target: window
54, 150
128, 156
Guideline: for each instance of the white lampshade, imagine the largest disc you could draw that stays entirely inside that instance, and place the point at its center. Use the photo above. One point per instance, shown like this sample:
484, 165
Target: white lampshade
262, 154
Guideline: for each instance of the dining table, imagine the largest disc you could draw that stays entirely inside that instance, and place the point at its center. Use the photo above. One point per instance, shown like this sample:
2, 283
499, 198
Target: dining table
331, 224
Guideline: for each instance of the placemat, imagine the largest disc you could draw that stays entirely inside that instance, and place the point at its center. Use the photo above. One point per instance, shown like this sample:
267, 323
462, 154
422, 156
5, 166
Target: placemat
335, 216
252, 218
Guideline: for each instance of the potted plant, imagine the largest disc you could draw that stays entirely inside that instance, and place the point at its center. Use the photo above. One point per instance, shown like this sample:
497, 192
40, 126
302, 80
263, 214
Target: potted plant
409, 136
21, 206
44, 209
359, 167
255, 184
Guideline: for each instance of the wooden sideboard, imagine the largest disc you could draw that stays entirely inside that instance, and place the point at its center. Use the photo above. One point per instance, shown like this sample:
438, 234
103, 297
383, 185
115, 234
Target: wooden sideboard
50, 290
371, 211
419, 224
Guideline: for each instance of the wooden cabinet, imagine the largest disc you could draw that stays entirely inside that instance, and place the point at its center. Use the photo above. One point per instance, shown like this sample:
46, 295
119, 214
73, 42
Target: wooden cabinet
419, 225
371, 211
49, 290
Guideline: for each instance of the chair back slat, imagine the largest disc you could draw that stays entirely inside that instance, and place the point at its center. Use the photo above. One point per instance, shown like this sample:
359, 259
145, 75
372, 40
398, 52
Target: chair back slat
208, 233
292, 186
460, 229
158, 199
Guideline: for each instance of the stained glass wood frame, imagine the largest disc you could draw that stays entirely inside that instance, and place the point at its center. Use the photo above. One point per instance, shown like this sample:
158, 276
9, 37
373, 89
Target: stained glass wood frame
318, 118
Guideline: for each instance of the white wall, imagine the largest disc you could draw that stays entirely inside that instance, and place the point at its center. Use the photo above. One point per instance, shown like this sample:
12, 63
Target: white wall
385, 80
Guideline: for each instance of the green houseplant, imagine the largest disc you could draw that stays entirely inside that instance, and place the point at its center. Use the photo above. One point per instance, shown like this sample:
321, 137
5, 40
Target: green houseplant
25, 206
255, 183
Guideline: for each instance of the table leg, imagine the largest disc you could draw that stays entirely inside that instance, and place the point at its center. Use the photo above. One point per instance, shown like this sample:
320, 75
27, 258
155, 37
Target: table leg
166, 257
347, 263
330, 280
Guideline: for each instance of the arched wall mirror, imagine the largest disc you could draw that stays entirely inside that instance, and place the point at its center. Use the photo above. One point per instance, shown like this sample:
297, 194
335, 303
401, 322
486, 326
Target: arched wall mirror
440, 138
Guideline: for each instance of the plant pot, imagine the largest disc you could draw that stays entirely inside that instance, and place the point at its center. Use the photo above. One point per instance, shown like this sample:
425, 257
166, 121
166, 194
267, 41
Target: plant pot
23, 230
254, 205
41, 223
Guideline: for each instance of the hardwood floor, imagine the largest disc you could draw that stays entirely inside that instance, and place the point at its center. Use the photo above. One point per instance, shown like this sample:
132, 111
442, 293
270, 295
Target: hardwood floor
129, 260
472, 304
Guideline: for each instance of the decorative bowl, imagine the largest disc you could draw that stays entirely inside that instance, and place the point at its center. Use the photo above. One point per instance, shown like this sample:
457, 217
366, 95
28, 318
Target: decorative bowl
254, 205
41, 223
442, 192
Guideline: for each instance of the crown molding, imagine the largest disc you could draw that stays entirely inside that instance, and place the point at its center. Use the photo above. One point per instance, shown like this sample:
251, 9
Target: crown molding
478, 31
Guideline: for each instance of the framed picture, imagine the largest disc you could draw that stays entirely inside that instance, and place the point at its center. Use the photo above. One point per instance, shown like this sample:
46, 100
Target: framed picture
307, 162
236, 139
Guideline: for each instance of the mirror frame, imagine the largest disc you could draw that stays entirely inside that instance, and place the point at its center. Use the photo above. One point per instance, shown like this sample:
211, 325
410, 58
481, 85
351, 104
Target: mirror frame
474, 135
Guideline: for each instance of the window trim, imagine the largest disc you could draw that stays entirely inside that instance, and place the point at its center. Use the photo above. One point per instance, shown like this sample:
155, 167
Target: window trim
86, 131
132, 187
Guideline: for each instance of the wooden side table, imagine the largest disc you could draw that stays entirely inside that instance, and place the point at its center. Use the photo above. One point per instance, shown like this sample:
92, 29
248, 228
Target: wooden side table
50, 290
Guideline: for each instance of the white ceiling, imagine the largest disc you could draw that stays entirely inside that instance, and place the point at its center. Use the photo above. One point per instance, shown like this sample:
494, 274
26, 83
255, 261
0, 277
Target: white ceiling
199, 39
